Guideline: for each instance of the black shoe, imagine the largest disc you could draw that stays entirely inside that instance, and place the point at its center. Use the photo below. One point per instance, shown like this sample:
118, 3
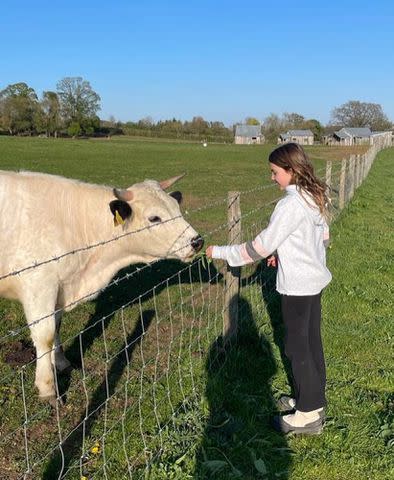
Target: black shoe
285, 404
313, 428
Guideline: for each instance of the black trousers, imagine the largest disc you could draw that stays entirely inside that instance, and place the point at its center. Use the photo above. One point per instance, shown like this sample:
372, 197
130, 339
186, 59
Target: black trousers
304, 349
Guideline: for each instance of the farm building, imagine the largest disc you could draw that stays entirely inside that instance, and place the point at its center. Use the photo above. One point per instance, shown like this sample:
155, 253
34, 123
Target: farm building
357, 136
248, 135
302, 137
348, 136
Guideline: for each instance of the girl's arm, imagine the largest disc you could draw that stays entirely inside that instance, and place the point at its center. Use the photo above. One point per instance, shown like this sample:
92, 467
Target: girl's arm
284, 220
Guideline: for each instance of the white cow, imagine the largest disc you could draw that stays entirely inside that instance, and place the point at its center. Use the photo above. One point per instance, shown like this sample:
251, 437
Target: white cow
44, 216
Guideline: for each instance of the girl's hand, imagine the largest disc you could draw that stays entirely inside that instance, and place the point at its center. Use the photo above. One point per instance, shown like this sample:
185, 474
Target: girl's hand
271, 261
208, 251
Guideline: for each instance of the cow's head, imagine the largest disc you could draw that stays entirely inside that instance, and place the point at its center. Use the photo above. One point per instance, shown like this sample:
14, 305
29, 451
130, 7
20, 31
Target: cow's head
155, 217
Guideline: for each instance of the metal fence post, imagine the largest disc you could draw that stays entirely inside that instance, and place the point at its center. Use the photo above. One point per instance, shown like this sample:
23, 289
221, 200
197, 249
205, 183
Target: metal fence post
232, 275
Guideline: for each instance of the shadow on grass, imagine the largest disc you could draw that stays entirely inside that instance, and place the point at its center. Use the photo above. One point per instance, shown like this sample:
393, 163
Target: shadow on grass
238, 442
107, 304
71, 447
129, 291
265, 277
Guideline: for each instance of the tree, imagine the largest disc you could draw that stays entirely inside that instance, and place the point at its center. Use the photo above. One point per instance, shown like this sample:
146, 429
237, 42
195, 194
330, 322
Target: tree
20, 89
293, 121
315, 126
360, 114
79, 102
18, 108
273, 125
74, 129
146, 122
51, 116
252, 121
199, 125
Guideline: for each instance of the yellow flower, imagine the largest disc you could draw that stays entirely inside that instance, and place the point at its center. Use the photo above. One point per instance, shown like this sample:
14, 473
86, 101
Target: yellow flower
96, 448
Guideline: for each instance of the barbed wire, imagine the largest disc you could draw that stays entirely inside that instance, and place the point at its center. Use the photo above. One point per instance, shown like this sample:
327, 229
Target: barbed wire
56, 258
128, 276
150, 370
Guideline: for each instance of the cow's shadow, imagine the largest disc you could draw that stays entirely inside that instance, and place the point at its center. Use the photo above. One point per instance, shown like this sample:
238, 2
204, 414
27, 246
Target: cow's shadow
144, 284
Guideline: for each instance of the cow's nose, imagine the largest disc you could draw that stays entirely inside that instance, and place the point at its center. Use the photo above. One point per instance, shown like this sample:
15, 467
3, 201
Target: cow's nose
197, 243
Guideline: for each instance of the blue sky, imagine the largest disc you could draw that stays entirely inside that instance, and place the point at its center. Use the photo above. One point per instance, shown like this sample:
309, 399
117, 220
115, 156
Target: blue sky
223, 60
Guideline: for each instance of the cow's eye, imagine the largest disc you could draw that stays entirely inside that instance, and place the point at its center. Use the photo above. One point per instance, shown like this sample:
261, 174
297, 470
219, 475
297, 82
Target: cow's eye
155, 219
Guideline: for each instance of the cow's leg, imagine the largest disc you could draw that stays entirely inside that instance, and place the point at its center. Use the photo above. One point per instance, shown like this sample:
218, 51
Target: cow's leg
39, 310
58, 358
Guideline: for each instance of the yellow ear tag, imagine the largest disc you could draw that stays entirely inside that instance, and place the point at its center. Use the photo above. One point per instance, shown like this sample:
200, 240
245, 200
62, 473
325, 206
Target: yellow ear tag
118, 220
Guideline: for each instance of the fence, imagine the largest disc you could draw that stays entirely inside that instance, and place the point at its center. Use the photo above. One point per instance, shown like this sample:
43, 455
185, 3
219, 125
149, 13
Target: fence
142, 358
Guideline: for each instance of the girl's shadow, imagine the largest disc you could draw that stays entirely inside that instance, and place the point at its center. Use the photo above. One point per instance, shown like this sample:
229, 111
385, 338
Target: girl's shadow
238, 441
266, 278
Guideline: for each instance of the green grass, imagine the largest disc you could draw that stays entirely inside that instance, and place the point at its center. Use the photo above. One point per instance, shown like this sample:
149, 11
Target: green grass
207, 415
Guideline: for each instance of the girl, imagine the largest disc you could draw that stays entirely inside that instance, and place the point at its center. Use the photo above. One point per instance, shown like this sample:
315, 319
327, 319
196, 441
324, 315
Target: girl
298, 233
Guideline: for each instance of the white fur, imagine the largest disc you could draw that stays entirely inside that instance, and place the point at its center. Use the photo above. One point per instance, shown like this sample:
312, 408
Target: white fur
44, 216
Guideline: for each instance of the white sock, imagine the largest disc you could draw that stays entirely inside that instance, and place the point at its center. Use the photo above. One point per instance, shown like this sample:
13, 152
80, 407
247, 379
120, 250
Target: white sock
292, 404
301, 419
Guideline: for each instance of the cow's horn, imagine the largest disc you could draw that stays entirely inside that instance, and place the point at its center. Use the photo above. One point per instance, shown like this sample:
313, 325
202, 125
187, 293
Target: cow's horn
125, 195
167, 183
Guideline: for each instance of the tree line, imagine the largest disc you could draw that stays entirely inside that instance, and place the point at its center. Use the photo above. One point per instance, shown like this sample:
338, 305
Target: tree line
72, 110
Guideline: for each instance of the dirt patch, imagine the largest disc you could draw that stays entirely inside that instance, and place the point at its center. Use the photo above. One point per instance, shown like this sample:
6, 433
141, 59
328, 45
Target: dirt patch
18, 353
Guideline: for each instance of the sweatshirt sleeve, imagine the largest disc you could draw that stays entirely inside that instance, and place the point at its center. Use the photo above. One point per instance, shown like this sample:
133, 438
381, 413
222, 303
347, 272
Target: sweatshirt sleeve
284, 220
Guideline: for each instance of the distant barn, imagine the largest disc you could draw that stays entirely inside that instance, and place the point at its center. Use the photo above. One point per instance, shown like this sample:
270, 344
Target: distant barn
248, 135
347, 136
302, 137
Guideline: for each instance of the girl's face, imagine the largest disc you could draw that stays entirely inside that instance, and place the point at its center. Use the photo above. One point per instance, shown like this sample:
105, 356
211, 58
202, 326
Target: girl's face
281, 176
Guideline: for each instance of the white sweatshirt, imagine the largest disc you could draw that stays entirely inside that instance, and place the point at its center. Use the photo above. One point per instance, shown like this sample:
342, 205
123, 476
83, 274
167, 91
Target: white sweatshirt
296, 231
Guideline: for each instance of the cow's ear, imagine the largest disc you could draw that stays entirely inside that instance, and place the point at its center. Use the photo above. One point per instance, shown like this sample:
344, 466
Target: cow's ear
177, 195
120, 210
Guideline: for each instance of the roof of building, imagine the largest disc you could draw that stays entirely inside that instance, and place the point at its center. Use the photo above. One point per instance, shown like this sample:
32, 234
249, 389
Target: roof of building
248, 130
354, 132
296, 133
342, 134
300, 133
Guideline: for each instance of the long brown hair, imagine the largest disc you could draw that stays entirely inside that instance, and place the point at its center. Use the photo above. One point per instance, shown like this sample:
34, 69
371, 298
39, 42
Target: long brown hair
291, 156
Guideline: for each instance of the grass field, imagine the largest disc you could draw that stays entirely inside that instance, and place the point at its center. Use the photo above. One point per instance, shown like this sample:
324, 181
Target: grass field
205, 410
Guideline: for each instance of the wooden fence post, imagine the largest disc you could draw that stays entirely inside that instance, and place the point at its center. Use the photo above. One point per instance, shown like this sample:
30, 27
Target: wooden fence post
357, 172
359, 178
342, 180
328, 173
363, 167
232, 275
352, 164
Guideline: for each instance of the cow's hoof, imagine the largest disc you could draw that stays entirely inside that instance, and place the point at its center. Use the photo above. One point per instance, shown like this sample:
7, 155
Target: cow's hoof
66, 370
63, 365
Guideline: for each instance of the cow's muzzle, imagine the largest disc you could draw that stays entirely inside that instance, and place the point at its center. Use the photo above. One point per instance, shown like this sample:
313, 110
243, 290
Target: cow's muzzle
197, 243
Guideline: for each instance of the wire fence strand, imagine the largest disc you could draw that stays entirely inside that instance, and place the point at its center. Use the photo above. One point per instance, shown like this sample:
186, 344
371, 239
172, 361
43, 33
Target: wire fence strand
142, 359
